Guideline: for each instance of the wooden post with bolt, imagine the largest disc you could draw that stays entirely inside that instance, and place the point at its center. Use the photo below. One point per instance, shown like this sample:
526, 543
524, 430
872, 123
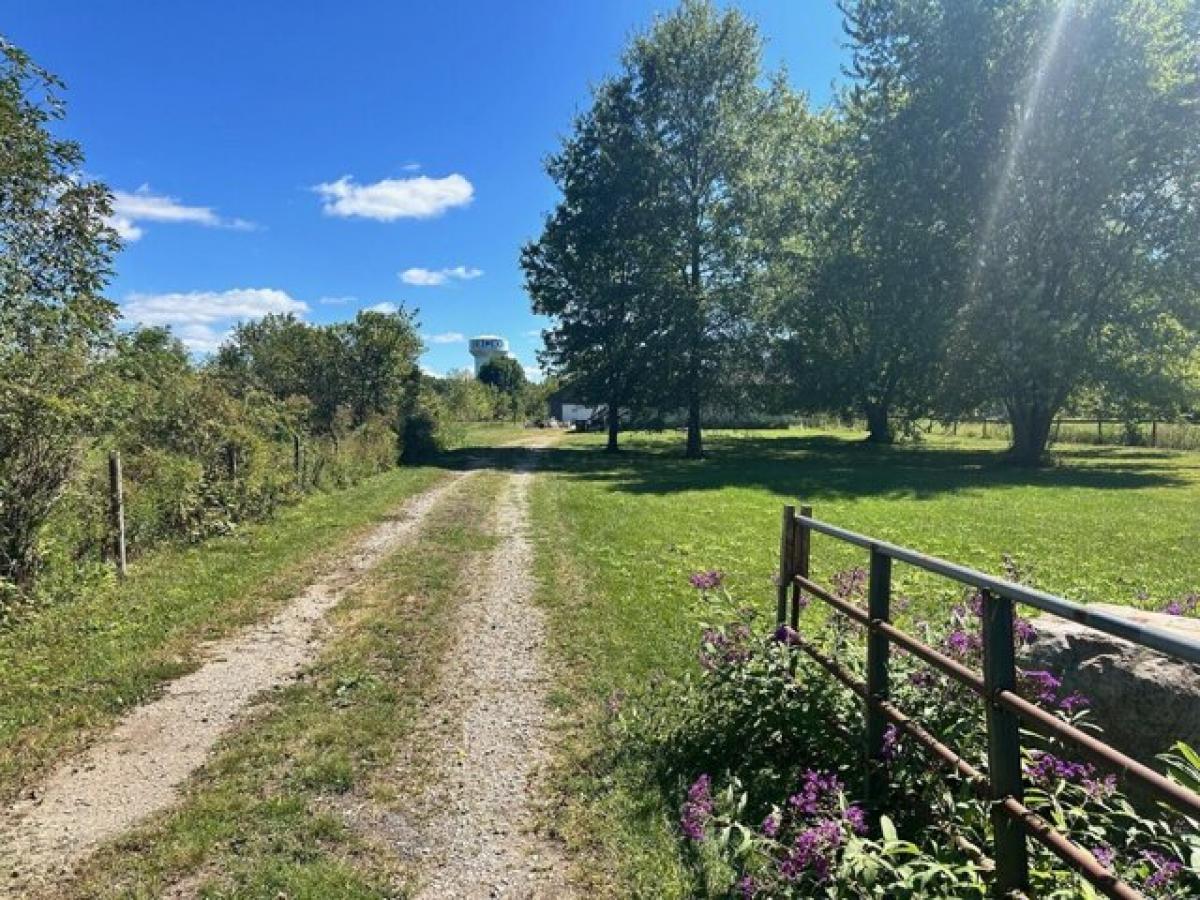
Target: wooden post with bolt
116, 496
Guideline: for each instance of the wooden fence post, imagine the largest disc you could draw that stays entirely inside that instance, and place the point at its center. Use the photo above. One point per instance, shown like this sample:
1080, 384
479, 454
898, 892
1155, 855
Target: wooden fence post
985, 426
801, 559
1154, 432
231, 460
298, 459
1004, 744
879, 599
116, 496
786, 570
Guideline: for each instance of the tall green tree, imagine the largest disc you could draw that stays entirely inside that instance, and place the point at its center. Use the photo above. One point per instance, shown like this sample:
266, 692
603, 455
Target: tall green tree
505, 375
1088, 246
695, 76
381, 352
55, 259
888, 214
599, 268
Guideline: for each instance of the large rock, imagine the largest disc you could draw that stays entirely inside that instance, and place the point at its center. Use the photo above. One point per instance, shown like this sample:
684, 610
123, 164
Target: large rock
1143, 700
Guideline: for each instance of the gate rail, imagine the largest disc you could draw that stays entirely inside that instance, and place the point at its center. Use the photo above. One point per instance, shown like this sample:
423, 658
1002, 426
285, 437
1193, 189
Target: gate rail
1013, 822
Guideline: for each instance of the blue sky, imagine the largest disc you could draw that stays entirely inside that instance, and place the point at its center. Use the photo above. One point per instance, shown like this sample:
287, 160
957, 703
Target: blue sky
327, 157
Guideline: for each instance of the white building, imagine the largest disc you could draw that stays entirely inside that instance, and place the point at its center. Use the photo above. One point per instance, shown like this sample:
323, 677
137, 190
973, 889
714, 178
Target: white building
487, 347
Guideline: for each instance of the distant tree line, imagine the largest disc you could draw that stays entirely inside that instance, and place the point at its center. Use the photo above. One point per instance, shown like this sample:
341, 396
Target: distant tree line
996, 214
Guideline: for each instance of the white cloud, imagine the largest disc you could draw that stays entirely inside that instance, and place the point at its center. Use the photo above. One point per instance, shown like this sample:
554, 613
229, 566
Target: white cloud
202, 319
533, 373
384, 307
446, 337
125, 228
421, 197
437, 277
337, 301
143, 205
411, 167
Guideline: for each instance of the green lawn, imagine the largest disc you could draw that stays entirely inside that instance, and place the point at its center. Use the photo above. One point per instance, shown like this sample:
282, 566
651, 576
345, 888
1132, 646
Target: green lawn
69, 669
620, 535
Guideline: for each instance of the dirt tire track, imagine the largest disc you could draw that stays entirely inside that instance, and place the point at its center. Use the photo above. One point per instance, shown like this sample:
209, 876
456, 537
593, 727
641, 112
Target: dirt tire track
137, 768
487, 732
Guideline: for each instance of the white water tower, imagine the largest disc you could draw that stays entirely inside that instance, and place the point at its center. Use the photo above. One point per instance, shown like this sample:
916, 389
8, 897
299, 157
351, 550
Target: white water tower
487, 347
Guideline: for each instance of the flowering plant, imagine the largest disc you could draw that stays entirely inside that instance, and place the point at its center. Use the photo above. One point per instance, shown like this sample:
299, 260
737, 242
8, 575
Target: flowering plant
765, 747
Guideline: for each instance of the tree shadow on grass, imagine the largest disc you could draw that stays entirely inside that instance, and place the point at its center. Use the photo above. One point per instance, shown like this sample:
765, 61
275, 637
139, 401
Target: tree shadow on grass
819, 467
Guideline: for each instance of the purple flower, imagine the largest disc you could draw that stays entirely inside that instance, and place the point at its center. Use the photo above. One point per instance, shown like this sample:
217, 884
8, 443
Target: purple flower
1182, 606
1023, 631
921, 678
1100, 788
785, 634
959, 643
697, 809
724, 646
856, 819
891, 743
812, 851
1105, 855
770, 825
706, 581
1044, 685
746, 887
1165, 869
817, 795
1074, 701
851, 583
1046, 768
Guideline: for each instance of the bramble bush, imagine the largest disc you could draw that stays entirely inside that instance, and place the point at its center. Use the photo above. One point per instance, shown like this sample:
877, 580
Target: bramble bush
763, 749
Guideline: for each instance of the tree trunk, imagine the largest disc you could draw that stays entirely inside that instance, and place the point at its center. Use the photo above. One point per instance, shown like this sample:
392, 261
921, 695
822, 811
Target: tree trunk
614, 426
695, 440
879, 431
1031, 422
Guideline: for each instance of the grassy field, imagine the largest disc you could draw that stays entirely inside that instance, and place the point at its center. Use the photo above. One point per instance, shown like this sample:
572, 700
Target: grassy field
620, 535
264, 816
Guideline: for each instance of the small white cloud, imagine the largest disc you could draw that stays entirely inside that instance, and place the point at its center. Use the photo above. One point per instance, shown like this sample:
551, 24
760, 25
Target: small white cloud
411, 167
533, 373
432, 373
384, 307
125, 228
202, 319
143, 205
421, 197
437, 277
533, 333
446, 337
337, 301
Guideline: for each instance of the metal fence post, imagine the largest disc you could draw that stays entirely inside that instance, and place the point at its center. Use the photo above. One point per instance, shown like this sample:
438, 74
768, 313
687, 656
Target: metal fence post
1004, 743
801, 558
879, 598
786, 570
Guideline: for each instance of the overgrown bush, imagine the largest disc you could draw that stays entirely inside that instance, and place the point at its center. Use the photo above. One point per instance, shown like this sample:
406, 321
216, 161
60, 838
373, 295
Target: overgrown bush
762, 750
